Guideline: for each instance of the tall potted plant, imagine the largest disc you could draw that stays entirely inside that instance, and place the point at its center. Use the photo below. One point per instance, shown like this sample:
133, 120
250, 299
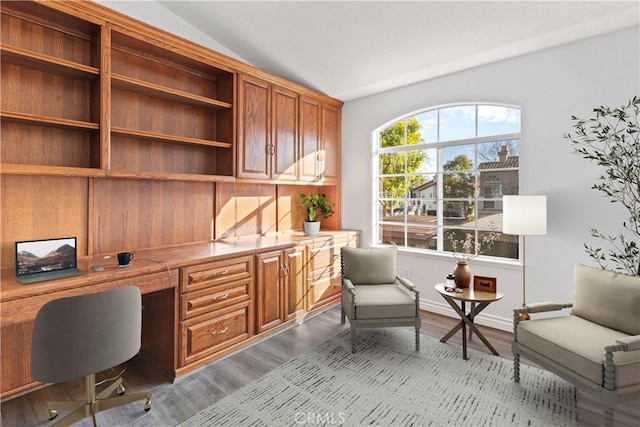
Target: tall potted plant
611, 140
317, 206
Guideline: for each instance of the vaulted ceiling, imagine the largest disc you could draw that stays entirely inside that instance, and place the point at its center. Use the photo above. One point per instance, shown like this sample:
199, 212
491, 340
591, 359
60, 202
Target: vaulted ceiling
351, 49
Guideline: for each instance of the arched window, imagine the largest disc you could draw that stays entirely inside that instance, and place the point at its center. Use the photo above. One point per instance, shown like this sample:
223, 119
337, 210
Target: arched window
442, 173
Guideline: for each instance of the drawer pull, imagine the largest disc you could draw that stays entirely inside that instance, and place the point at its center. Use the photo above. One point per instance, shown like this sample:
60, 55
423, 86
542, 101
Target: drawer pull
221, 273
223, 296
222, 331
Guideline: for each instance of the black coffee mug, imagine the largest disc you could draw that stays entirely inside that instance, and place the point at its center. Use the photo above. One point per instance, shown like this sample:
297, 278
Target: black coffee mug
124, 258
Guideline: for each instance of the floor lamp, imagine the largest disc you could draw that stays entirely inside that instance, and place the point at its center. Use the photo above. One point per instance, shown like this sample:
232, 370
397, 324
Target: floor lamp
524, 216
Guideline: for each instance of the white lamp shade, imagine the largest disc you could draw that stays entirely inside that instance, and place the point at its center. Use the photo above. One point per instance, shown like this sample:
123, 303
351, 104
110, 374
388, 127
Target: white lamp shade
524, 215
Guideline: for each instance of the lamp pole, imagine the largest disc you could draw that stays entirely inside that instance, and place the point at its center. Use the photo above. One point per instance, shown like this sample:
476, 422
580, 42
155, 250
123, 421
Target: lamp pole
524, 216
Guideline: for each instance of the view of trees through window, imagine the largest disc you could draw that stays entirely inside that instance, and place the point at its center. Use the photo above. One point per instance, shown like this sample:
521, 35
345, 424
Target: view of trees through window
442, 174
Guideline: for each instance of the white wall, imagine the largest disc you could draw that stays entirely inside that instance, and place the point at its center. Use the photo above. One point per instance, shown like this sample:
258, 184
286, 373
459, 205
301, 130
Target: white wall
550, 86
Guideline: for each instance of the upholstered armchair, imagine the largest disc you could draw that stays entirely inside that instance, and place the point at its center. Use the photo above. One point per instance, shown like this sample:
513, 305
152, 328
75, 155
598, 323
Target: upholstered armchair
373, 296
596, 347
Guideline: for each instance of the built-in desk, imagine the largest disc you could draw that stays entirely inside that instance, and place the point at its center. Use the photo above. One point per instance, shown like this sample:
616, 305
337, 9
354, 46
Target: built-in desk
162, 275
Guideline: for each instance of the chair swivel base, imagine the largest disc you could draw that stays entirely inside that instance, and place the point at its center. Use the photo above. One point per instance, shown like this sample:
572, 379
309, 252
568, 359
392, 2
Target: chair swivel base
95, 403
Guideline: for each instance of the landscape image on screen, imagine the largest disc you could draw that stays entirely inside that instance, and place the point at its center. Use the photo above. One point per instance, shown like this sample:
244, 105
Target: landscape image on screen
41, 256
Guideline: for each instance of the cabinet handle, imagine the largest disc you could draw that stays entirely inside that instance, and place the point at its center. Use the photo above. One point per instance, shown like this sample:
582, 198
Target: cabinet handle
221, 331
223, 296
285, 270
220, 273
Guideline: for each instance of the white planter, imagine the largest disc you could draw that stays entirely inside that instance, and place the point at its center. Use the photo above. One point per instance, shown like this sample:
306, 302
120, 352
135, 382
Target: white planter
311, 229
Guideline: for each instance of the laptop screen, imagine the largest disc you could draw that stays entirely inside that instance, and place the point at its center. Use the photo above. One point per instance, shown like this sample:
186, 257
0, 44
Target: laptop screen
39, 256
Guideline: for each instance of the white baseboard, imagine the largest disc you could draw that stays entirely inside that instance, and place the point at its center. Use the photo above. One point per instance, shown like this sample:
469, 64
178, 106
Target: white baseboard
483, 319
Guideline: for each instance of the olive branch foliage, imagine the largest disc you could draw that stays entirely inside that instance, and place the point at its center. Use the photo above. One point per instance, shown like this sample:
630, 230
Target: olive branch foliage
610, 139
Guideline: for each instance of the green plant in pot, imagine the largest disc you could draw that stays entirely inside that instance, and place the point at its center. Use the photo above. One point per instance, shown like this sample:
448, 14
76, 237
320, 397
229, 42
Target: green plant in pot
611, 140
317, 206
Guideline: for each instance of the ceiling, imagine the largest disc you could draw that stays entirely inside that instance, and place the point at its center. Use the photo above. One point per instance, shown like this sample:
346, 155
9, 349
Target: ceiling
351, 49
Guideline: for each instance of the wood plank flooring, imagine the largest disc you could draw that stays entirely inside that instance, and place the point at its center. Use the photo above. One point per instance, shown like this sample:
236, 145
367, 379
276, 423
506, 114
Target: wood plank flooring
174, 402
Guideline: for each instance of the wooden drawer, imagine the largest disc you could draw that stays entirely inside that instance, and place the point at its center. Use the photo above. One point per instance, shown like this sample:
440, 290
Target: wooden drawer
324, 257
324, 289
215, 273
213, 332
205, 300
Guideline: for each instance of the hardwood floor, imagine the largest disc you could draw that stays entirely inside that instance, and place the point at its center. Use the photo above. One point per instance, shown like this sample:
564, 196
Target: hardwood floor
175, 402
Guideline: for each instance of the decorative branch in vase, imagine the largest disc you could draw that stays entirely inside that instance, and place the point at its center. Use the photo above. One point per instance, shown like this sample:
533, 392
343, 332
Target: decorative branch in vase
467, 249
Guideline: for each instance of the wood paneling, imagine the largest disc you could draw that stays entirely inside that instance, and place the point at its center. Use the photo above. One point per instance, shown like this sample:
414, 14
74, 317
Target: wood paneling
135, 214
37, 207
243, 210
290, 213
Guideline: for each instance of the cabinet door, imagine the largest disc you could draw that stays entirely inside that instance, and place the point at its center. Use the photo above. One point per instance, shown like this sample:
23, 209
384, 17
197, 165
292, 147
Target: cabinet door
254, 144
330, 144
284, 113
269, 290
309, 138
295, 281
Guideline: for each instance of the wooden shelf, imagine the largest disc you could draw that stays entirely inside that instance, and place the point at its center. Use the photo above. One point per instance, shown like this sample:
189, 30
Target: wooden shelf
33, 119
154, 90
49, 64
17, 169
153, 136
165, 176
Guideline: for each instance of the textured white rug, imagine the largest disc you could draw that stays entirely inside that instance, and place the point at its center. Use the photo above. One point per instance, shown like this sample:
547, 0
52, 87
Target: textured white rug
388, 383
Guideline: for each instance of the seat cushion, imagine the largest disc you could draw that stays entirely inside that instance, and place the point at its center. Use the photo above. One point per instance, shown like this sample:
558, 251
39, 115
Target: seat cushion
383, 302
578, 345
370, 266
607, 298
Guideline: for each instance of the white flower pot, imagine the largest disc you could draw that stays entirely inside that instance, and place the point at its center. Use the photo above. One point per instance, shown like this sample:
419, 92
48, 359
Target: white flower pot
311, 229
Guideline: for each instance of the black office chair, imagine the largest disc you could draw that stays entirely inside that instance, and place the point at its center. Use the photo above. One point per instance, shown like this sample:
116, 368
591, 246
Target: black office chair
79, 336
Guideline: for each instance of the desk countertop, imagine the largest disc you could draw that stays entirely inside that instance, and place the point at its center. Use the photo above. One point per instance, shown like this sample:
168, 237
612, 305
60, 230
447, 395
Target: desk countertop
150, 261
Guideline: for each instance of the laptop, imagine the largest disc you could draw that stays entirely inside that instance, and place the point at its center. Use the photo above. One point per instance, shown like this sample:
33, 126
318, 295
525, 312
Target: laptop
40, 260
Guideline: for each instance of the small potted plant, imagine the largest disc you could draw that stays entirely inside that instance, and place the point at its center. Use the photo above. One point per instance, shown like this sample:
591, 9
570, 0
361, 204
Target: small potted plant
317, 206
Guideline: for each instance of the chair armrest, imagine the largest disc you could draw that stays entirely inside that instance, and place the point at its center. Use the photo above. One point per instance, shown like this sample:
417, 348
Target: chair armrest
541, 307
631, 343
407, 284
348, 286
412, 288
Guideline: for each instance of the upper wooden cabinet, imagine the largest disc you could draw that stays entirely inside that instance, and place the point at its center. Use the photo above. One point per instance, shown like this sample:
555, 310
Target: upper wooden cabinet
284, 136
330, 131
320, 129
267, 131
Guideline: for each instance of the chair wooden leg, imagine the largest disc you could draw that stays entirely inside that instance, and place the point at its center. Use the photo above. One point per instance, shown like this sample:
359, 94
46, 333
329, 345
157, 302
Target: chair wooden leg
343, 315
608, 417
516, 367
417, 339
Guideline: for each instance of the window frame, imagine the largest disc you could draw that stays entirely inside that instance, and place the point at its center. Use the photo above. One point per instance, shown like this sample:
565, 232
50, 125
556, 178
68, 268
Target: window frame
439, 146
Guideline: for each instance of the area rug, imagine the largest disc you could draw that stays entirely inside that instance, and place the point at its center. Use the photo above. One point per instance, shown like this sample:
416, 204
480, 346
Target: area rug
388, 383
